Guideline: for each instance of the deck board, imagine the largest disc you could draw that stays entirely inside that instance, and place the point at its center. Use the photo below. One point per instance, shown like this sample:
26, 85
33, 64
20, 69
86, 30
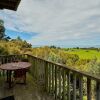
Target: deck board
30, 91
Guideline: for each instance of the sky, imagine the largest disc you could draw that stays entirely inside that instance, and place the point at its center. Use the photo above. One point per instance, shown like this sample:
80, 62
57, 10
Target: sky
65, 23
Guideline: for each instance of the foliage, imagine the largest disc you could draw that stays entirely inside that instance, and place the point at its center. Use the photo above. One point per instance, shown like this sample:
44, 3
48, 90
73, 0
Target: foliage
14, 46
94, 67
3, 51
19, 46
2, 29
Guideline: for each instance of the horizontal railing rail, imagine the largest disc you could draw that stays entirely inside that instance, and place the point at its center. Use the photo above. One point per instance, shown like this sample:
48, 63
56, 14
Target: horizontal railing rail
62, 82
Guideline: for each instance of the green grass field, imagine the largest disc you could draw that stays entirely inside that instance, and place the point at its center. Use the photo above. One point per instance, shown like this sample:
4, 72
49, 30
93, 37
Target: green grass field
85, 54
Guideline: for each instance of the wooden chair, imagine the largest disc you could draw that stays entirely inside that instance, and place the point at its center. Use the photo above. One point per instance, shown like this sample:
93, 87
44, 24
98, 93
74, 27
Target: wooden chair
20, 76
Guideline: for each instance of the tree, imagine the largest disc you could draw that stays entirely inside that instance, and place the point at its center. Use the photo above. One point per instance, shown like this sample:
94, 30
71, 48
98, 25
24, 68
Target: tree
2, 32
18, 38
2, 29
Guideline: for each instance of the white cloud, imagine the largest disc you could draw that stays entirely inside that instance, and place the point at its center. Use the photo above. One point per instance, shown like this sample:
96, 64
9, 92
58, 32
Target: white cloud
56, 20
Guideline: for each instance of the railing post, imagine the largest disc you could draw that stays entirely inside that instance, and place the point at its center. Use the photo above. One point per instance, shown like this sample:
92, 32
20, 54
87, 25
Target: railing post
97, 90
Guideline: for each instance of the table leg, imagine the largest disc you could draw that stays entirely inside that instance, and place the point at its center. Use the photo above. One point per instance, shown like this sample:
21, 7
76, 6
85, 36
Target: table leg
7, 76
25, 78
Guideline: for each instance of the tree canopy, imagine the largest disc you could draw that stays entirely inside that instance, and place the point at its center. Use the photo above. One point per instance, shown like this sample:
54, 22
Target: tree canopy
2, 29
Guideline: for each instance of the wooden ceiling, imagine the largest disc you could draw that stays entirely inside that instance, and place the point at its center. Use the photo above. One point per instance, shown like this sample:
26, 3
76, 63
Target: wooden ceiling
9, 4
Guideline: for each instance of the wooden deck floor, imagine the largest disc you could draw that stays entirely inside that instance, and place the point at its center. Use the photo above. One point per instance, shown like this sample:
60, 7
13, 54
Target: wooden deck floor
30, 91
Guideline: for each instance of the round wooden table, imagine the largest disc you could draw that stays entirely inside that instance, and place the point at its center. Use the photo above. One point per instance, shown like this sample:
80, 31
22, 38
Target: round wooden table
9, 67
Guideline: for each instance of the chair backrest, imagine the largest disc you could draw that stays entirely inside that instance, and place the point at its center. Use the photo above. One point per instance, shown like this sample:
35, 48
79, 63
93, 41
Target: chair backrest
19, 73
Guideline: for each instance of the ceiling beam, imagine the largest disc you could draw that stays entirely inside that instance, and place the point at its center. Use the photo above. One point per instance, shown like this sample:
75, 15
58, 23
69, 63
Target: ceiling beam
9, 4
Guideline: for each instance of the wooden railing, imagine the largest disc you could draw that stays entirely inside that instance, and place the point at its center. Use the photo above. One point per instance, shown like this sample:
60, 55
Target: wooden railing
60, 81
9, 58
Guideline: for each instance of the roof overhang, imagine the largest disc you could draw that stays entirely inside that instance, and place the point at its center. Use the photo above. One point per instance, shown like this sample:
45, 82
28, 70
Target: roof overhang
9, 4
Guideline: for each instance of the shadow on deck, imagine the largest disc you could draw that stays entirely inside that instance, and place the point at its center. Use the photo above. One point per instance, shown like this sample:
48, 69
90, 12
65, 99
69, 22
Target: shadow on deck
30, 91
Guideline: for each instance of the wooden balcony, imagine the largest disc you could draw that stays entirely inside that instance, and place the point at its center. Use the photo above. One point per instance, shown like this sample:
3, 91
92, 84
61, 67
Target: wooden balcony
51, 81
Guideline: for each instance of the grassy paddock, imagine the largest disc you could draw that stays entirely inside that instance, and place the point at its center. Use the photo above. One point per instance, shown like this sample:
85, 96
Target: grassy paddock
85, 54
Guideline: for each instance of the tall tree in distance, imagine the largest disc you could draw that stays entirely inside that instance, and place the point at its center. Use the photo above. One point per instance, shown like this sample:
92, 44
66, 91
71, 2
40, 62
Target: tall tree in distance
3, 36
2, 29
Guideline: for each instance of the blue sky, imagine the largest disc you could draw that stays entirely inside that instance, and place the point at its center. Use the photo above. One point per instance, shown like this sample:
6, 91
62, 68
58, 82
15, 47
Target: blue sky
24, 35
55, 22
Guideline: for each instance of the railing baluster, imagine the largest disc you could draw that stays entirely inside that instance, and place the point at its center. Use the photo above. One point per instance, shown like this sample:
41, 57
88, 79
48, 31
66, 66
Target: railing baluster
59, 83
3, 62
88, 89
68, 85
97, 90
81, 87
35, 68
64, 84
74, 87
55, 82
32, 68
0, 64
46, 77
52, 78
49, 78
